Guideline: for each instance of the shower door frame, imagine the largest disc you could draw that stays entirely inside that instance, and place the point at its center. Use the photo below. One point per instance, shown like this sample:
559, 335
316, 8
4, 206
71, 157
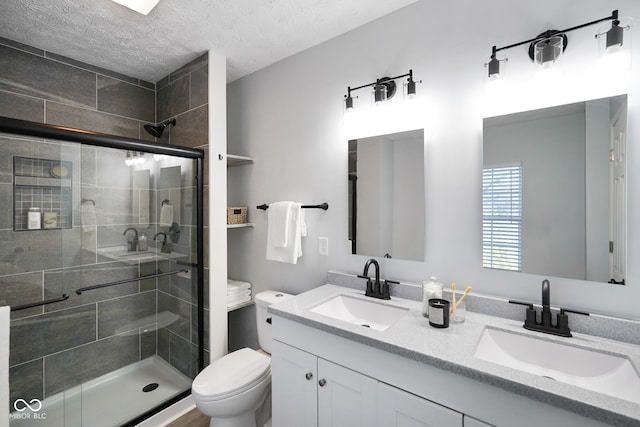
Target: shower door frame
96, 139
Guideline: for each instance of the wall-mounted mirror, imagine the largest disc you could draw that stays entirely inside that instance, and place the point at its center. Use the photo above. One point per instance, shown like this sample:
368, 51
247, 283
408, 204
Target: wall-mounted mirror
387, 196
141, 202
554, 191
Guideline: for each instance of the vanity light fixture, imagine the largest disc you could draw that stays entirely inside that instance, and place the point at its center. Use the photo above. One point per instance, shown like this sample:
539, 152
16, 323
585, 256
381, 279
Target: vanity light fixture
615, 35
548, 46
134, 158
383, 89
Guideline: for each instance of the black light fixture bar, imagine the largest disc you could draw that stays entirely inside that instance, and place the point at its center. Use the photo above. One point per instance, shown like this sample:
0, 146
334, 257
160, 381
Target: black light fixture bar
613, 17
378, 82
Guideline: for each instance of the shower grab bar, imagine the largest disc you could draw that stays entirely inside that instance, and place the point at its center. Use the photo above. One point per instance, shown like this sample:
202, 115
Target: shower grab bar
120, 282
64, 297
323, 206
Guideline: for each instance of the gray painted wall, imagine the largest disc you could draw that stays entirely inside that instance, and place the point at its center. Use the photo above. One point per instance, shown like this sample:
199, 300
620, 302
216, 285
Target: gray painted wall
289, 116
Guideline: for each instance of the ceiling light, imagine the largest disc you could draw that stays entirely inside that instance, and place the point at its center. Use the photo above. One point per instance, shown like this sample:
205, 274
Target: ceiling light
140, 6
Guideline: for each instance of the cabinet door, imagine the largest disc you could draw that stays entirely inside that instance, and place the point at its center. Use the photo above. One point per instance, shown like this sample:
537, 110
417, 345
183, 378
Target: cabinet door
398, 408
345, 398
294, 385
472, 422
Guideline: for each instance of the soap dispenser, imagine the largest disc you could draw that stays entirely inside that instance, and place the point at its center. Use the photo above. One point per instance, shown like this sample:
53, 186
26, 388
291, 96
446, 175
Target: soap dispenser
143, 243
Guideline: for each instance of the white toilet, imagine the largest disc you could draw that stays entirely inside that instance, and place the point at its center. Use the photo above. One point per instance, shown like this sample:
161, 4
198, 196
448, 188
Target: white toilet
232, 388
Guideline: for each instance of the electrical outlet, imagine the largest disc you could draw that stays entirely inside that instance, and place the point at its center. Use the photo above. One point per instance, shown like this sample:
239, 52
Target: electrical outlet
323, 245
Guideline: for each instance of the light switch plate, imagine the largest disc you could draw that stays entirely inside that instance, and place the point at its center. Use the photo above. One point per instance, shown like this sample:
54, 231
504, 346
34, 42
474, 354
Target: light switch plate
323, 245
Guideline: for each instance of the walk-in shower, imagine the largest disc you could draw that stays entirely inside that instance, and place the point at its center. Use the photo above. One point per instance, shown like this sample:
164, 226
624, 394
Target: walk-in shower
101, 260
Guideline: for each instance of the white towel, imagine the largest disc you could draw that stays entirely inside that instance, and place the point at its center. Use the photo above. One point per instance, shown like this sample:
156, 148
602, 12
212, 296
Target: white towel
296, 229
88, 217
235, 286
240, 295
235, 300
166, 215
278, 217
5, 313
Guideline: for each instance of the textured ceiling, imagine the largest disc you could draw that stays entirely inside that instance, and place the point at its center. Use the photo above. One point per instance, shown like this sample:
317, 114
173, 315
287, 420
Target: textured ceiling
251, 33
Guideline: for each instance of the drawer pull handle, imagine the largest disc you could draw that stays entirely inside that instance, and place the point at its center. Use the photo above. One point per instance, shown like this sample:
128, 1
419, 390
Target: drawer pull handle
308, 375
322, 382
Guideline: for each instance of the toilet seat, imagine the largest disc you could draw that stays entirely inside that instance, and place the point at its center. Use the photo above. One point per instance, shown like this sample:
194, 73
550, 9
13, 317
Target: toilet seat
231, 375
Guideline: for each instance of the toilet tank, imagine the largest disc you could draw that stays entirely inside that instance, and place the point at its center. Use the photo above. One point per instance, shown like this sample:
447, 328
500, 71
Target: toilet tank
263, 300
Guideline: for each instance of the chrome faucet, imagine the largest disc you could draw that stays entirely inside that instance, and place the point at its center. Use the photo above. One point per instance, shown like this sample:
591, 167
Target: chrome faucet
132, 245
375, 289
545, 324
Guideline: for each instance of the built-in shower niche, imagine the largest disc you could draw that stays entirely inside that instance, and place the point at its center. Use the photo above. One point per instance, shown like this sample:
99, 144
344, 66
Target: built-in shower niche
44, 184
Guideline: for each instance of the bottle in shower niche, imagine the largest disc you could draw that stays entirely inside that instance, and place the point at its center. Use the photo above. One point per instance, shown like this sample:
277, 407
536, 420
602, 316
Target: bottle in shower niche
430, 289
34, 219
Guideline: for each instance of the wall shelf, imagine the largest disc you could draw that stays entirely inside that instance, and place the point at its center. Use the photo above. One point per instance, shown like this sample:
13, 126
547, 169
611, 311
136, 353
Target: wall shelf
241, 305
245, 225
235, 160
45, 184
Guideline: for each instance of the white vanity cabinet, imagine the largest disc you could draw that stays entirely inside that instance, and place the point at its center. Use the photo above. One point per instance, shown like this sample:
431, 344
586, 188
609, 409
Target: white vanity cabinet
406, 392
402, 409
311, 391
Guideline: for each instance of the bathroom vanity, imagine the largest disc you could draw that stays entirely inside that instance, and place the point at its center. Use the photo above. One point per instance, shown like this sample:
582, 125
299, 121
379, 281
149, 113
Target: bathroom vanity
329, 369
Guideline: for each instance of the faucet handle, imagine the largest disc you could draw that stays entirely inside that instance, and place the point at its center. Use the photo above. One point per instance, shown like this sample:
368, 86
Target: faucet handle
369, 290
530, 318
566, 310
528, 304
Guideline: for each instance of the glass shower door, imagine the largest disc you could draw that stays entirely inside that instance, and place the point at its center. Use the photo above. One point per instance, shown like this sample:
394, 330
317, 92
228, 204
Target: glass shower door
112, 273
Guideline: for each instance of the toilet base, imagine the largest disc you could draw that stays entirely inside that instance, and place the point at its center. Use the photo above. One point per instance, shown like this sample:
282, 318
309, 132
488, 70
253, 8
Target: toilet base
257, 417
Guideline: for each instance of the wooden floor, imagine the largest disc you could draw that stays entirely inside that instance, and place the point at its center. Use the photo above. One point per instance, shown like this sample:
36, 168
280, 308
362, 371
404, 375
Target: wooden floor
194, 418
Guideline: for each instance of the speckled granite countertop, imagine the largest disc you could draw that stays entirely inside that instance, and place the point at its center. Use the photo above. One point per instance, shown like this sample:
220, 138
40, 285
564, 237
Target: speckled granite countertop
453, 349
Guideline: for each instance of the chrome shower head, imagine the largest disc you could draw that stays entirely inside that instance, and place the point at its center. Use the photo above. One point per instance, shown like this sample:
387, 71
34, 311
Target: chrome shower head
157, 130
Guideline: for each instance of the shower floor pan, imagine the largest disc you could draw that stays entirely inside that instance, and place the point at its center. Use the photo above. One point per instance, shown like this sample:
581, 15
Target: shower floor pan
109, 400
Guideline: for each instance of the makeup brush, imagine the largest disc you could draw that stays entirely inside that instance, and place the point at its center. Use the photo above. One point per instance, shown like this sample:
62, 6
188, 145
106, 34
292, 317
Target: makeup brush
453, 299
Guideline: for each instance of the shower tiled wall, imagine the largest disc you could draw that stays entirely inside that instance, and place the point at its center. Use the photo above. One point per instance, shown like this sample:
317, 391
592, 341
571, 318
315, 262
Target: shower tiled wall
66, 343
183, 95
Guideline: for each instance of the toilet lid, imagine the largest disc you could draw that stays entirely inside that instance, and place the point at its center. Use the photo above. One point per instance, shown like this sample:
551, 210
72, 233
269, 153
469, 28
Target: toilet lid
234, 372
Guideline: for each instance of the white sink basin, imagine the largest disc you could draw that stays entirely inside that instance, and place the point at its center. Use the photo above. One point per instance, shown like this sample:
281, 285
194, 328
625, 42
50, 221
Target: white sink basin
120, 253
358, 311
591, 369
